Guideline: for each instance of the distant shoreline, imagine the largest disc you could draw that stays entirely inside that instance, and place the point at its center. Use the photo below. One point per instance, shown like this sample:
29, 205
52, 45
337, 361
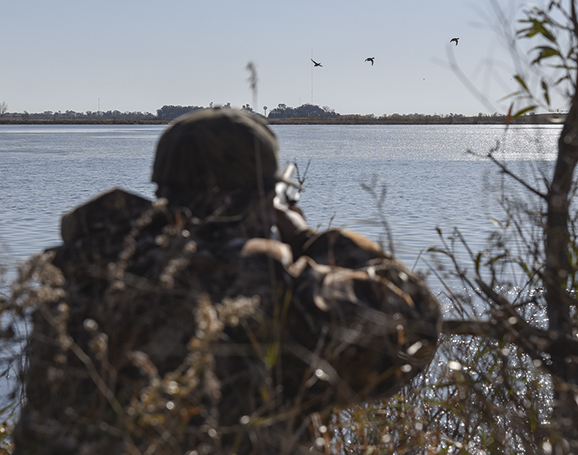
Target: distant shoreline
82, 121
536, 119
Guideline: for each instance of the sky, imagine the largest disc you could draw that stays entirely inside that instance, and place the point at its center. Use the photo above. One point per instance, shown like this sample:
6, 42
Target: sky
139, 55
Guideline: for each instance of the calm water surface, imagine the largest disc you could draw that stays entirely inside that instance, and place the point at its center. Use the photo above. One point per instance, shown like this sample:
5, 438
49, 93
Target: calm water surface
429, 177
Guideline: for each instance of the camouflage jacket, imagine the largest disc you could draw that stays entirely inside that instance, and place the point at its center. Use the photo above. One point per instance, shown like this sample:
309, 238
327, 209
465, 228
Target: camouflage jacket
180, 333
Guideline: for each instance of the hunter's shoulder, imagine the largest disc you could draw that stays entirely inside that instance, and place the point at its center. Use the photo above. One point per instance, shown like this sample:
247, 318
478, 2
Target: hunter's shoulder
115, 207
337, 247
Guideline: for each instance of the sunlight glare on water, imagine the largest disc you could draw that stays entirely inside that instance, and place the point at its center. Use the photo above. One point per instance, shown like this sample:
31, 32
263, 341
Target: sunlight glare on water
430, 179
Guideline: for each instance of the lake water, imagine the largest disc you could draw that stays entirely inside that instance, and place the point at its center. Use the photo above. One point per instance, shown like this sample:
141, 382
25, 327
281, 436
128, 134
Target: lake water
430, 179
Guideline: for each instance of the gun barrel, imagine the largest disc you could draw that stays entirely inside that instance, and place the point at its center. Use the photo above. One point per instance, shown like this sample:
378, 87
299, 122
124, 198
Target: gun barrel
289, 172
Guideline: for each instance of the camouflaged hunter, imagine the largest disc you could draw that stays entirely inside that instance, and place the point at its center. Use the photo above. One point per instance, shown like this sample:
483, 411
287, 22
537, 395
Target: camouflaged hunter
213, 320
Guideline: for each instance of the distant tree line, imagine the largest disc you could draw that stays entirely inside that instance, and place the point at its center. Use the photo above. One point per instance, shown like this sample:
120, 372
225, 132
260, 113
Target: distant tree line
306, 113
170, 112
87, 114
303, 111
165, 112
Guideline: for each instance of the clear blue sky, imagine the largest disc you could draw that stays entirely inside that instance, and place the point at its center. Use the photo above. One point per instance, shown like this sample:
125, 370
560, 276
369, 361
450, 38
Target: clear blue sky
138, 55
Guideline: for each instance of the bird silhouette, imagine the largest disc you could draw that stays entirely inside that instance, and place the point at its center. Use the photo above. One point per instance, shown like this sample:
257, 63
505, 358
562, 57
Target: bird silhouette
454, 39
370, 59
316, 63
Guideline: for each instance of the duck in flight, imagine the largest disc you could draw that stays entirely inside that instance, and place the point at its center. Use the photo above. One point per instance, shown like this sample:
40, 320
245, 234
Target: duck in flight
370, 59
316, 63
454, 39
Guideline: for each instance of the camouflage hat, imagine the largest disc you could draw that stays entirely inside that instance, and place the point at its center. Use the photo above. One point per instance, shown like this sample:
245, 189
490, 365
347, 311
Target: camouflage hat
224, 148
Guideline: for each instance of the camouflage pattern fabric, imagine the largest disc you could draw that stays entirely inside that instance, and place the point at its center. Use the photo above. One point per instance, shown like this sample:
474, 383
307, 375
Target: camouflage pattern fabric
168, 333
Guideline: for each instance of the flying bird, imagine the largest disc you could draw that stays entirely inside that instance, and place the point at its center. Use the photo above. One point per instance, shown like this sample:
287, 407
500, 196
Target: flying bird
316, 63
370, 59
454, 39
